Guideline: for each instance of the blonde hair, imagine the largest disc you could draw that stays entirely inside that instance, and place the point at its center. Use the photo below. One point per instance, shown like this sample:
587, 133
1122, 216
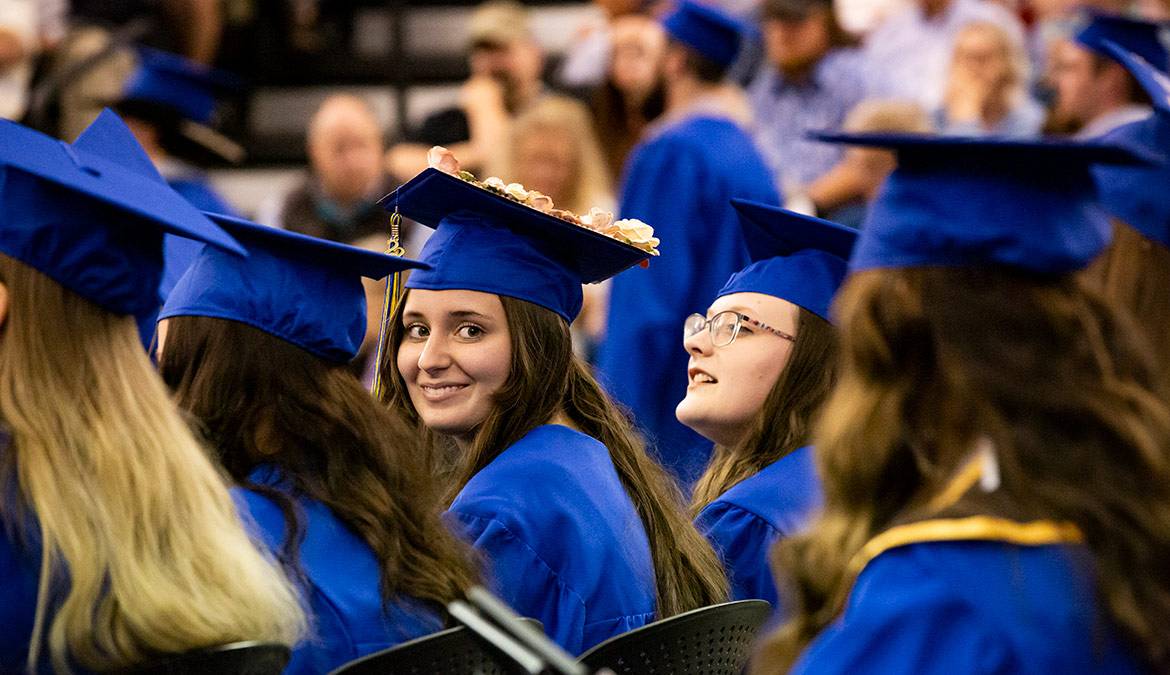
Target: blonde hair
1019, 70
592, 185
142, 550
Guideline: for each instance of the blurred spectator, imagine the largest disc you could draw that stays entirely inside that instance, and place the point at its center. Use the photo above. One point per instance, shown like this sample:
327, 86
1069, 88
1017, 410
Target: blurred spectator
27, 27
338, 200
680, 179
552, 148
632, 94
987, 91
585, 61
843, 194
812, 78
908, 55
506, 65
1093, 94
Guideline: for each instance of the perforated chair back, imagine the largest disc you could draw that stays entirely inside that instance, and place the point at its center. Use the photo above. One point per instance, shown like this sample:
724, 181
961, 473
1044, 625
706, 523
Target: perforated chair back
238, 658
455, 651
714, 640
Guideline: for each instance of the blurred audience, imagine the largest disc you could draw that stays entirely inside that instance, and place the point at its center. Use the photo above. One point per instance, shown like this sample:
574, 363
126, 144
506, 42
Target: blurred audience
1093, 94
843, 194
552, 148
987, 92
27, 28
812, 77
585, 61
908, 54
506, 64
632, 94
338, 199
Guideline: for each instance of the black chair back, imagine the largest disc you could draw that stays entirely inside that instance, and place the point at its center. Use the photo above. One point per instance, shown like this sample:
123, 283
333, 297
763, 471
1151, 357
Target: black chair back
238, 658
714, 640
455, 651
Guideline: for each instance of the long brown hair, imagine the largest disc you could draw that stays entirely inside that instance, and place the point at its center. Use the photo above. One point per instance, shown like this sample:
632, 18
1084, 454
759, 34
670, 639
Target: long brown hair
141, 549
262, 400
784, 423
547, 378
933, 359
1134, 273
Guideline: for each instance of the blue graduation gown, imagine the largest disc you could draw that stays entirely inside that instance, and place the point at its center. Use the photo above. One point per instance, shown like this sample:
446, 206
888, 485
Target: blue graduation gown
680, 181
744, 522
343, 594
563, 542
180, 253
19, 572
972, 607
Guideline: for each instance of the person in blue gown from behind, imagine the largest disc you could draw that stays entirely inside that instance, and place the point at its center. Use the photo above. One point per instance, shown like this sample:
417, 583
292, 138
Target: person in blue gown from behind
680, 178
993, 457
580, 528
256, 350
762, 364
103, 488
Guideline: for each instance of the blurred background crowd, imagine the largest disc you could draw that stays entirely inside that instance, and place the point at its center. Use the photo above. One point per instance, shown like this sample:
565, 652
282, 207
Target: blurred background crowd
302, 114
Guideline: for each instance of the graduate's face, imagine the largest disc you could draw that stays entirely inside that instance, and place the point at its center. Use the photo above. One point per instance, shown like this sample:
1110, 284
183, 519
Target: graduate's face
727, 386
456, 353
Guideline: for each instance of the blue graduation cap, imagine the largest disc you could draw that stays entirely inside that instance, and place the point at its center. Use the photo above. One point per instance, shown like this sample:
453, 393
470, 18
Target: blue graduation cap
956, 201
91, 215
1147, 39
301, 289
708, 31
180, 97
190, 89
795, 257
486, 242
1138, 194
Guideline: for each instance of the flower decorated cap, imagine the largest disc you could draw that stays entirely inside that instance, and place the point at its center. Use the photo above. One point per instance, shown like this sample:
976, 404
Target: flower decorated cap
955, 202
303, 290
1149, 40
91, 215
490, 237
1138, 195
795, 257
709, 31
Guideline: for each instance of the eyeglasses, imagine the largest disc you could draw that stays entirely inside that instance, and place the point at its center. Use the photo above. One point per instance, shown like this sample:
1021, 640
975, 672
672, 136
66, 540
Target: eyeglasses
724, 327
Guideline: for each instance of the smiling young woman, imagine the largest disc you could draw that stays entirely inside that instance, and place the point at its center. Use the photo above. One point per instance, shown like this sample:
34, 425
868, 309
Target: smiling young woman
581, 529
761, 365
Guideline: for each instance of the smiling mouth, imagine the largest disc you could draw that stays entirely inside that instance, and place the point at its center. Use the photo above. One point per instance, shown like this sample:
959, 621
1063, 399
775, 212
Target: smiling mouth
702, 378
438, 393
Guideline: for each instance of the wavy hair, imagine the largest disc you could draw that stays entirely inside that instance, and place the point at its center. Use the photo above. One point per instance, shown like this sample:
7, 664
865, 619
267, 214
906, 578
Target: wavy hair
262, 400
142, 550
934, 358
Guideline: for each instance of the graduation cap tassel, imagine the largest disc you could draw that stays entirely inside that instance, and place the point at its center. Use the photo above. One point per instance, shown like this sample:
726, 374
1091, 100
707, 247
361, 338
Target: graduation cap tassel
394, 290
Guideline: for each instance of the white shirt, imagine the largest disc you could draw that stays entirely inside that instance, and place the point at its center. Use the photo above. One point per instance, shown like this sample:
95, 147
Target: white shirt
1117, 117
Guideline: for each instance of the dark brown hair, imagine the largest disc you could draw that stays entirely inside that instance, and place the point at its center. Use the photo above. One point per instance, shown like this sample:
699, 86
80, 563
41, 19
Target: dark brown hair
935, 358
546, 378
784, 423
262, 400
1134, 274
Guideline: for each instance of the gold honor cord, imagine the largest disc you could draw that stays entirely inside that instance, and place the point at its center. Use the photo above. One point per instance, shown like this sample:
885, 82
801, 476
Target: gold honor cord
390, 302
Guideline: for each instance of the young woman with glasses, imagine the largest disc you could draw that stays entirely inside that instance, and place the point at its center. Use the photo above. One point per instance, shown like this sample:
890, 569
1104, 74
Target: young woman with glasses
761, 365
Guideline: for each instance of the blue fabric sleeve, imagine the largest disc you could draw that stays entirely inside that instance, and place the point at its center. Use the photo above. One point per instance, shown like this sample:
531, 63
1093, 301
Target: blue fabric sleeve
743, 541
525, 582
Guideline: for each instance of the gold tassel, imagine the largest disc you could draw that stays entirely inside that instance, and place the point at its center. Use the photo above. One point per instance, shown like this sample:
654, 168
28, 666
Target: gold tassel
394, 291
